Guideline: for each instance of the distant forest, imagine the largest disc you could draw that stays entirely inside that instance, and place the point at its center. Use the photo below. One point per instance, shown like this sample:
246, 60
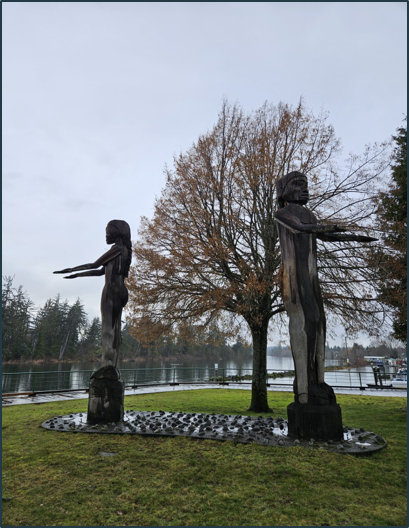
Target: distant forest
354, 354
62, 331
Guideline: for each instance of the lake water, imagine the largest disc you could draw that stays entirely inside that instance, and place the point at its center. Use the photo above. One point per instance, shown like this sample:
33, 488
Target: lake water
273, 364
62, 376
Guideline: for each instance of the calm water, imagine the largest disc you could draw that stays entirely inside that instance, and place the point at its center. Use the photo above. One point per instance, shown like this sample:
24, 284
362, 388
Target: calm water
67, 376
273, 363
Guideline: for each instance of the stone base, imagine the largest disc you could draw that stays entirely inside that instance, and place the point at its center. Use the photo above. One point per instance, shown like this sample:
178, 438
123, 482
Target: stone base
321, 422
106, 401
242, 429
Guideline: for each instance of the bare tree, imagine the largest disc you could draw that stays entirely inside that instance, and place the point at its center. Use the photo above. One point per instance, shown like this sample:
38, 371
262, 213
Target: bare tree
211, 247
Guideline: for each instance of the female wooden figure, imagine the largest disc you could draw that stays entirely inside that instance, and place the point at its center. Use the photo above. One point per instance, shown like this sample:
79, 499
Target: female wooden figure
115, 266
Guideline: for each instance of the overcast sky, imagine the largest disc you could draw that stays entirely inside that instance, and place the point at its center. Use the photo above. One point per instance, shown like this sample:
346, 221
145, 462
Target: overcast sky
99, 96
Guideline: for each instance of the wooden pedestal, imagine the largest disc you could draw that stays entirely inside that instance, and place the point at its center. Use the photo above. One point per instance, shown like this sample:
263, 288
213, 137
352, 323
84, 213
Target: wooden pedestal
106, 401
321, 422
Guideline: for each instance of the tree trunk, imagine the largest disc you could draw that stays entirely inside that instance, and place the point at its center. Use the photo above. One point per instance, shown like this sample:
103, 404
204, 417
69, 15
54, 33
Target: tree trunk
64, 343
259, 401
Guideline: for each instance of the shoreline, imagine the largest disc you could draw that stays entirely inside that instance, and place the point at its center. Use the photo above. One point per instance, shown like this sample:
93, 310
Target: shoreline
53, 361
138, 359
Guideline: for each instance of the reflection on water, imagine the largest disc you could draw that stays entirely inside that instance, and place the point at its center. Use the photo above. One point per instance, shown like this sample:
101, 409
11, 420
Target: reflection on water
145, 364
63, 376
273, 363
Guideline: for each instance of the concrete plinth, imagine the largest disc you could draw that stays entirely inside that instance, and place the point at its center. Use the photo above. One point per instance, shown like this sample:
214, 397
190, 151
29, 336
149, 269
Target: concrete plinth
321, 422
106, 397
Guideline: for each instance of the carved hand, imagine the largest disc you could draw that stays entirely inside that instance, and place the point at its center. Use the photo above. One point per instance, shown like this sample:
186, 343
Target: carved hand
67, 270
363, 238
358, 238
333, 237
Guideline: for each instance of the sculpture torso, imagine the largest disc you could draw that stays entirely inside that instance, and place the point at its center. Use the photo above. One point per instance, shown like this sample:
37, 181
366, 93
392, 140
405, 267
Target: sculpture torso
115, 289
299, 258
114, 298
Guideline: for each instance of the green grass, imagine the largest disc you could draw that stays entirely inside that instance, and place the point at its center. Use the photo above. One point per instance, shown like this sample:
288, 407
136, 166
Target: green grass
59, 479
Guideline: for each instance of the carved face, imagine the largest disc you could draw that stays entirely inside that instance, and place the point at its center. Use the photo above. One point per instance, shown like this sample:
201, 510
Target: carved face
296, 191
111, 234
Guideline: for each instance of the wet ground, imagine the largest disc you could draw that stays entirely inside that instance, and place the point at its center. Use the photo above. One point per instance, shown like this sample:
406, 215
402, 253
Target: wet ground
242, 429
266, 431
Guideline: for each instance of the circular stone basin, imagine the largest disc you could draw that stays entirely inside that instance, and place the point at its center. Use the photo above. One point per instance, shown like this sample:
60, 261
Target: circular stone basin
244, 429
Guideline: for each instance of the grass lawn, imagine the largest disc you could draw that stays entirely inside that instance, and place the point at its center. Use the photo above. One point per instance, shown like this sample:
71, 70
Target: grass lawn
59, 479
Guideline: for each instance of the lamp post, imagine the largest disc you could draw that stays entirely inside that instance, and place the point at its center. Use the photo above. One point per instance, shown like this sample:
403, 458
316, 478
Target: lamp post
346, 348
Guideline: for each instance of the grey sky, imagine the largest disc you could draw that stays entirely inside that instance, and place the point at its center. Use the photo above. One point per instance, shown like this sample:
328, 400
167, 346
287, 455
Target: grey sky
98, 97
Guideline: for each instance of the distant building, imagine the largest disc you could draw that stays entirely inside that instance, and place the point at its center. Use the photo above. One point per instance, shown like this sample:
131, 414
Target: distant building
374, 358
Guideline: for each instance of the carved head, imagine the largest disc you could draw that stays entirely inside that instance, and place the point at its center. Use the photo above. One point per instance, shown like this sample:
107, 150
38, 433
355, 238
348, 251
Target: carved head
117, 228
293, 188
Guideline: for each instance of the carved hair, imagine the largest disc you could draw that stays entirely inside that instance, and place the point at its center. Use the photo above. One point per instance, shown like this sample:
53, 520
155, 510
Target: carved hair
124, 231
282, 183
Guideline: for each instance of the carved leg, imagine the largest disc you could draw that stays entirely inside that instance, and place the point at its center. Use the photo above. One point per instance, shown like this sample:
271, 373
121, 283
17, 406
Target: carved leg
299, 347
320, 353
108, 333
118, 337
108, 351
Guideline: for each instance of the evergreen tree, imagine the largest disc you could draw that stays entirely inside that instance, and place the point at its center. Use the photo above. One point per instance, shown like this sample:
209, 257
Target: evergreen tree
75, 322
90, 342
48, 329
131, 347
16, 321
391, 254
57, 329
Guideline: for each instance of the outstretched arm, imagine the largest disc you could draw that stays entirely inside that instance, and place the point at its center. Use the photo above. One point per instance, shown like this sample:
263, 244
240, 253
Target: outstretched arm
293, 223
336, 237
92, 273
102, 261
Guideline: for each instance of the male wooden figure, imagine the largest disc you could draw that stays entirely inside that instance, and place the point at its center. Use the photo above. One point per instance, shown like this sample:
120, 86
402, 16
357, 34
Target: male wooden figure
106, 391
314, 412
